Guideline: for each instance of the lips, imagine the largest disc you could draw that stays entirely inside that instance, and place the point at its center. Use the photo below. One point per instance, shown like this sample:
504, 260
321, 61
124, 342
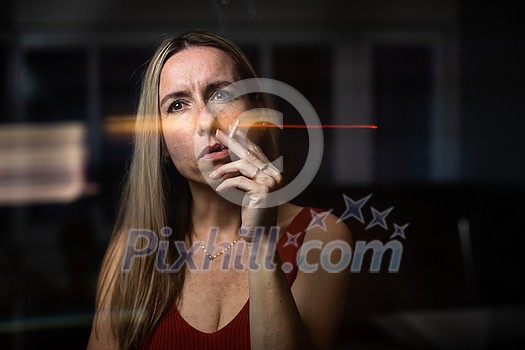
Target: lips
215, 151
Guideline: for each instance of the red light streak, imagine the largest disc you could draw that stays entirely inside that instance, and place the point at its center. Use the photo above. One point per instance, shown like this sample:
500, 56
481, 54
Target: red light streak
303, 126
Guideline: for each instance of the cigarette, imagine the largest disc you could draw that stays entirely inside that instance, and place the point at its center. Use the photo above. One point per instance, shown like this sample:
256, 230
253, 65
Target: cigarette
234, 129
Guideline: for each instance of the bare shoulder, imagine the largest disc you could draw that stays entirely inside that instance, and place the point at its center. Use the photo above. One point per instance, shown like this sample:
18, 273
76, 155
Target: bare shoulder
321, 284
324, 225
327, 227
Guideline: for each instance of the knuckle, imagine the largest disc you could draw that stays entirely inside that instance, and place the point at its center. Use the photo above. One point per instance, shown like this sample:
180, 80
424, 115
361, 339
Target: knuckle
268, 183
254, 148
264, 189
254, 159
278, 178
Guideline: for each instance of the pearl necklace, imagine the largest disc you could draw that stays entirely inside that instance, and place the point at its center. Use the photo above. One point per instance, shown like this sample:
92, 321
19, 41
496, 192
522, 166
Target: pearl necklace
213, 257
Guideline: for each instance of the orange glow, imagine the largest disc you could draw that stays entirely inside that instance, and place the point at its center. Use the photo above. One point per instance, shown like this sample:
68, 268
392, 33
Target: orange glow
121, 125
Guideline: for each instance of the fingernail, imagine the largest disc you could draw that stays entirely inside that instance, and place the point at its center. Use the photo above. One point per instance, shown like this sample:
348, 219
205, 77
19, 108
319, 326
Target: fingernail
214, 175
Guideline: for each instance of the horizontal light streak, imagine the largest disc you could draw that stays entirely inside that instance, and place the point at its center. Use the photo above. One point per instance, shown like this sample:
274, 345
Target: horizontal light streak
126, 125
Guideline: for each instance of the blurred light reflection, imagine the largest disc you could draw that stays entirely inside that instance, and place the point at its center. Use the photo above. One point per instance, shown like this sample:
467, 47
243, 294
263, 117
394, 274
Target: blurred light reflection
41, 163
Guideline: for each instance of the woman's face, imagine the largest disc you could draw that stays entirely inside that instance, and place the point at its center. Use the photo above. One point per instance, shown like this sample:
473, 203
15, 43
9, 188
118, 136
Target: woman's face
194, 102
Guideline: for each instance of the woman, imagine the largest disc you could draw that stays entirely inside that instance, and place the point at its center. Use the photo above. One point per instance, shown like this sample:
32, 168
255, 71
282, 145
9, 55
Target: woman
188, 154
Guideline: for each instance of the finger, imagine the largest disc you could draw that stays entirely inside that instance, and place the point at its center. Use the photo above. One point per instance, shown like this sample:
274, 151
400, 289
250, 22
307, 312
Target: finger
271, 170
241, 166
248, 170
243, 139
242, 183
257, 157
251, 152
251, 146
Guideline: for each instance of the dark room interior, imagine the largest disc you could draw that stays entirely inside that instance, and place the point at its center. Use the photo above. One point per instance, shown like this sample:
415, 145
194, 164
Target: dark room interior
443, 81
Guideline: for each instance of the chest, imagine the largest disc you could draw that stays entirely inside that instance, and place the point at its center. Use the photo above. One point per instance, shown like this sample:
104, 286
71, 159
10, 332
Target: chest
212, 296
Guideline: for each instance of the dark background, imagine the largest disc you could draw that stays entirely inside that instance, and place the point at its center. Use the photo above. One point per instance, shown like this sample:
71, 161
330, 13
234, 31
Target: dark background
443, 80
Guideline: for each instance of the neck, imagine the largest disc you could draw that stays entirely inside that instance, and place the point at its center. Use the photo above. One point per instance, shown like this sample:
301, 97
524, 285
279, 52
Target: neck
209, 210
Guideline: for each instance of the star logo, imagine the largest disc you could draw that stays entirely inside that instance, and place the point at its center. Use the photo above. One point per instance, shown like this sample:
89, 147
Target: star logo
379, 218
399, 231
292, 239
318, 219
353, 208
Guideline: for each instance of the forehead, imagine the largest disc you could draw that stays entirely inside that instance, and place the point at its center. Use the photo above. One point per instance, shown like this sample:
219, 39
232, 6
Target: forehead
195, 66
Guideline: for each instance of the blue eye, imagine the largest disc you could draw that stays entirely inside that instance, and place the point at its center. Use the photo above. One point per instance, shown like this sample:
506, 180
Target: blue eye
222, 96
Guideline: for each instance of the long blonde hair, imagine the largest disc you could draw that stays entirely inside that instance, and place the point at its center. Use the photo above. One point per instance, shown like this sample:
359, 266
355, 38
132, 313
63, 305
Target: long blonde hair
155, 196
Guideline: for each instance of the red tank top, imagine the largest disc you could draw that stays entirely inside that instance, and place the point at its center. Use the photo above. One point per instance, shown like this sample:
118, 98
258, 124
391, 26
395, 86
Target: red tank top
173, 332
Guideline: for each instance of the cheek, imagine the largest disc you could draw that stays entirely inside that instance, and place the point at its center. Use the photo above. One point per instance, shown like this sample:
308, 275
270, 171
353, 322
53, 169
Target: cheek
181, 152
179, 141
230, 113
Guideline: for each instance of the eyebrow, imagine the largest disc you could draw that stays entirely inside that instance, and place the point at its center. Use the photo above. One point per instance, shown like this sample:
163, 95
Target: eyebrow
174, 95
211, 87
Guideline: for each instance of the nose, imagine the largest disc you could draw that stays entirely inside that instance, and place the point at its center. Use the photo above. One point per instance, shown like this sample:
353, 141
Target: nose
207, 122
